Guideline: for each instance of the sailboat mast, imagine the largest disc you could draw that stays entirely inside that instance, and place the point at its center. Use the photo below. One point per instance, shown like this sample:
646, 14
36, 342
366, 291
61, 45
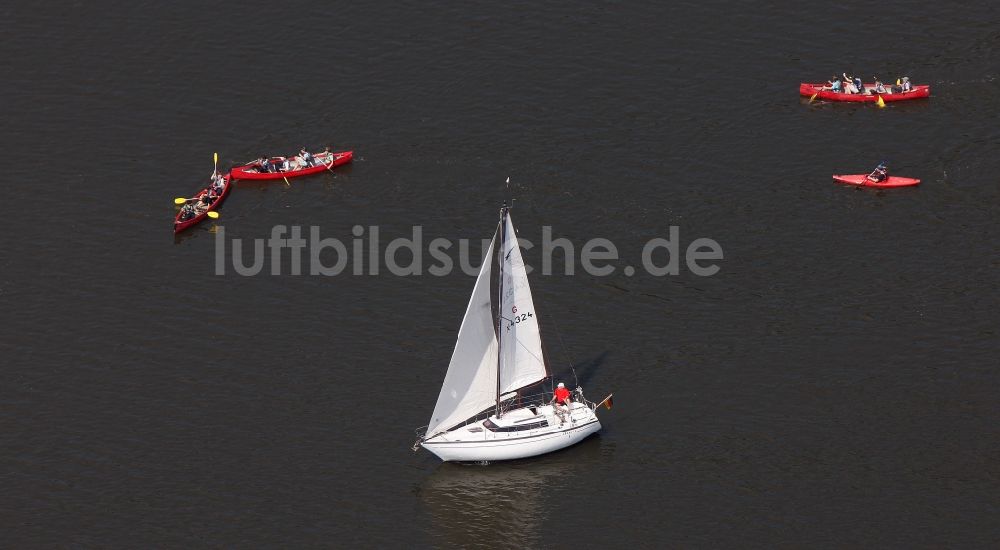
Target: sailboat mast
500, 257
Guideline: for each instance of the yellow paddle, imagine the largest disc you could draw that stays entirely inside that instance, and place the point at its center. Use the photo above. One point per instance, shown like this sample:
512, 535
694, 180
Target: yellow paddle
812, 97
213, 214
880, 102
215, 160
182, 200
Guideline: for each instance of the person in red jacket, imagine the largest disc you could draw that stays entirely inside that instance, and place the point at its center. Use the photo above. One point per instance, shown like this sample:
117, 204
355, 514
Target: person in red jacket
560, 399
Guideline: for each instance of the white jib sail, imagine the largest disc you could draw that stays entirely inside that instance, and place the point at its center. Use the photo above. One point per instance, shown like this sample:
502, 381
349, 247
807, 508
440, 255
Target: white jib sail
521, 360
470, 385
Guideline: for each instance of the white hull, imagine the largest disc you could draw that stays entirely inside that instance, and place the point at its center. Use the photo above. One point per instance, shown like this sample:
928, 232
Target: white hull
475, 442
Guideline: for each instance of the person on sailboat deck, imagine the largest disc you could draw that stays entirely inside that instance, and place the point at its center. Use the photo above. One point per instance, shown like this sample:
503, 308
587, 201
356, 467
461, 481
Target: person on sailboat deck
560, 398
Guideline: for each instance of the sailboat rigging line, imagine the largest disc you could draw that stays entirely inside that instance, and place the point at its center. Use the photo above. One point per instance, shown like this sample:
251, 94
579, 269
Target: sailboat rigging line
576, 381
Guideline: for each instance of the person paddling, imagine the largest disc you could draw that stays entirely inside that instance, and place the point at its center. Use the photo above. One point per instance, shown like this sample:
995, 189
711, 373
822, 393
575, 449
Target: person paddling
852, 85
218, 184
265, 164
187, 211
307, 158
834, 83
881, 172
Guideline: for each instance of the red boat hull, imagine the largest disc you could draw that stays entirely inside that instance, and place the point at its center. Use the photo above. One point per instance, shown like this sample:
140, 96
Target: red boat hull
923, 90
250, 171
182, 225
862, 180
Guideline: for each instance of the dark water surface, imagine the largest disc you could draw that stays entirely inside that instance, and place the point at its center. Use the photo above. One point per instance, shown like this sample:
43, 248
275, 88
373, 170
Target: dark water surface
835, 385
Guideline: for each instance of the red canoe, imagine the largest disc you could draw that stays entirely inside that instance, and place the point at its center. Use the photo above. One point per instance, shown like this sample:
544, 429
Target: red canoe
325, 162
862, 180
923, 90
181, 225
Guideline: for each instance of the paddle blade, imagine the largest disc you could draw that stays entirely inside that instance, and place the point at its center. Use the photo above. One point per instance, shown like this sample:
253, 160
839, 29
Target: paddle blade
880, 102
899, 82
180, 200
213, 214
215, 158
811, 98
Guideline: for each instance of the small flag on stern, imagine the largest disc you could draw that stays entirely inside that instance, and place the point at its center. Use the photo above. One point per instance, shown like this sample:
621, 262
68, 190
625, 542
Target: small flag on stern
607, 402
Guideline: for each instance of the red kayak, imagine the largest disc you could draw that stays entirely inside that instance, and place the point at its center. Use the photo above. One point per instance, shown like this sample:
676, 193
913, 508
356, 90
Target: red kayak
862, 180
181, 225
918, 91
324, 161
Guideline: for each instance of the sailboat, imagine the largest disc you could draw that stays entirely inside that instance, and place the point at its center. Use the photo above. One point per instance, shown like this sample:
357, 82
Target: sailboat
481, 414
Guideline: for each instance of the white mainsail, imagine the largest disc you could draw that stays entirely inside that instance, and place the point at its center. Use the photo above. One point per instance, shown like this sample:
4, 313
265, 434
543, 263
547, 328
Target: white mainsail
521, 359
471, 382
